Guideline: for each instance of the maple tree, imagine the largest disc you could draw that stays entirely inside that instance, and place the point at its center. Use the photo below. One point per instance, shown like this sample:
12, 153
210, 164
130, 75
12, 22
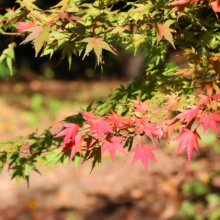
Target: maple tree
168, 101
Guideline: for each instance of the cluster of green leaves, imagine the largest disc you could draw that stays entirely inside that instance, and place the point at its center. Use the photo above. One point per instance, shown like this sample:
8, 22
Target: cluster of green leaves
23, 154
80, 28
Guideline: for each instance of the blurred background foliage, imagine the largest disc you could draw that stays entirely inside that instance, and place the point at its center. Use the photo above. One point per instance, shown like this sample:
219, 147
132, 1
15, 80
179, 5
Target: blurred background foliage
122, 66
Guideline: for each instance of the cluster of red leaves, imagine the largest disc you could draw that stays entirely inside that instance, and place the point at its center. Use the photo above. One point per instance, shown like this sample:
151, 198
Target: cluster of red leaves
109, 132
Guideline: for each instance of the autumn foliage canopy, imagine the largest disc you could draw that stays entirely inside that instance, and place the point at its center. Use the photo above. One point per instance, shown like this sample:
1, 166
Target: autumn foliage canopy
166, 102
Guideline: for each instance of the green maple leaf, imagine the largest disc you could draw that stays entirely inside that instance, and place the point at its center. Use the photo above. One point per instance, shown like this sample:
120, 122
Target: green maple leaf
40, 35
97, 44
138, 40
164, 31
8, 55
141, 10
63, 4
28, 4
69, 48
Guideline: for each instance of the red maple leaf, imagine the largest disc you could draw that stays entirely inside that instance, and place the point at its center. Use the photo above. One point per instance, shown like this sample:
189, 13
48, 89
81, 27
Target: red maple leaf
191, 113
140, 120
115, 119
148, 128
215, 6
179, 6
143, 153
112, 144
126, 123
76, 146
88, 115
22, 26
189, 140
69, 132
99, 124
158, 132
210, 121
101, 127
141, 106
204, 99
216, 97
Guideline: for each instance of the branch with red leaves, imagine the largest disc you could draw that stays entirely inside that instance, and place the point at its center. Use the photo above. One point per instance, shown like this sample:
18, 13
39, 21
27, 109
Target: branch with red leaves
108, 133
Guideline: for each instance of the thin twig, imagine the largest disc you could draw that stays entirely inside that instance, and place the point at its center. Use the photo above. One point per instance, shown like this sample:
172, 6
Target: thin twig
7, 33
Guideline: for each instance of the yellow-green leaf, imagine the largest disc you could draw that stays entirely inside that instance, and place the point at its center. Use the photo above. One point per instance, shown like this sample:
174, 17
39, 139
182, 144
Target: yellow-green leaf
97, 44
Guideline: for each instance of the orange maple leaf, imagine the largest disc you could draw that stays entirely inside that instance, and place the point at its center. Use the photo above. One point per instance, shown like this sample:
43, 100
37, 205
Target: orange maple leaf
215, 6
179, 6
164, 31
172, 101
209, 86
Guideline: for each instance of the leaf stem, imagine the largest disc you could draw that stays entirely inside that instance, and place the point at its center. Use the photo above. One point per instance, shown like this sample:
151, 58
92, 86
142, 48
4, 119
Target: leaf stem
7, 33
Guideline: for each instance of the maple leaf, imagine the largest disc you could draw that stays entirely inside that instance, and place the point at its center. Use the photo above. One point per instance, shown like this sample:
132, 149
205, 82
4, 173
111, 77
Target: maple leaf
180, 71
65, 16
39, 35
204, 99
101, 126
148, 128
190, 53
141, 10
9, 55
89, 116
210, 121
171, 125
179, 6
76, 146
151, 129
126, 123
215, 6
63, 4
112, 144
158, 132
189, 141
209, 86
164, 31
138, 39
192, 100
191, 113
69, 132
97, 44
143, 153
28, 4
68, 48
141, 106
191, 73
115, 119
90, 142
22, 26
173, 101
216, 97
